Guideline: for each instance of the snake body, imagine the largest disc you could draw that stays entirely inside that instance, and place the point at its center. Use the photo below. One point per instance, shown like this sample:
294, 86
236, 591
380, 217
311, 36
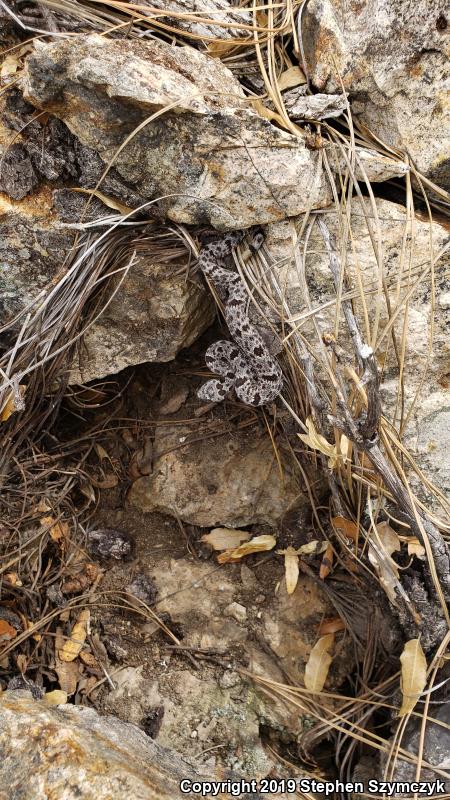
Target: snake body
245, 363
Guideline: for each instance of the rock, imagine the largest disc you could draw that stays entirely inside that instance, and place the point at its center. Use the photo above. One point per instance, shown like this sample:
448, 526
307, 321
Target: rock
233, 481
31, 244
209, 157
424, 371
215, 10
223, 707
392, 60
436, 749
69, 753
369, 165
107, 543
236, 611
315, 106
155, 313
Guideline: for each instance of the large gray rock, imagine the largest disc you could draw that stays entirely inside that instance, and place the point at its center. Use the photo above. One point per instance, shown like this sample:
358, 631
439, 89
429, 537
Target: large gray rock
206, 154
154, 314
404, 252
185, 16
71, 753
393, 61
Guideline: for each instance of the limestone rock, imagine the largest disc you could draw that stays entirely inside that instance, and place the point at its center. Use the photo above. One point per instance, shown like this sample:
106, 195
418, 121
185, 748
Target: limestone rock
234, 481
392, 58
206, 154
154, 314
369, 165
215, 706
404, 252
32, 250
215, 10
69, 752
315, 106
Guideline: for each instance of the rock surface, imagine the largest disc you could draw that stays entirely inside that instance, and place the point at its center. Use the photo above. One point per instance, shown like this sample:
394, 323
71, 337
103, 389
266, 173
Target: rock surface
232, 480
205, 153
213, 10
393, 62
154, 315
69, 753
216, 704
404, 251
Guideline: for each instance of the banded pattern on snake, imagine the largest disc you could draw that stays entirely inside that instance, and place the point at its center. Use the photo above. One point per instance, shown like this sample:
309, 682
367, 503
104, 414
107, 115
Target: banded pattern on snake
245, 363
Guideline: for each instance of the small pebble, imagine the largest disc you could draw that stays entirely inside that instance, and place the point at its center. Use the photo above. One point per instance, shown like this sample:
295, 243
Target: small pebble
229, 679
236, 611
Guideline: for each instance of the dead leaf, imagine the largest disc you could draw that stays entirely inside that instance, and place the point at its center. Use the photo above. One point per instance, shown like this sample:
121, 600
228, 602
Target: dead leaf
12, 404
22, 663
346, 526
259, 544
55, 698
291, 77
316, 441
291, 569
10, 65
313, 548
13, 579
414, 675
59, 531
72, 646
101, 452
90, 660
332, 625
327, 563
78, 583
7, 632
415, 548
225, 538
318, 664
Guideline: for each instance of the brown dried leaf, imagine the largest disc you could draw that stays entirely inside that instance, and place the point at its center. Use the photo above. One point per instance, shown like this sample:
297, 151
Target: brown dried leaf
291, 77
13, 579
346, 526
90, 660
72, 646
318, 664
7, 632
291, 569
415, 548
327, 563
414, 675
225, 538
55, 698
333, 625
22, 663
259, 544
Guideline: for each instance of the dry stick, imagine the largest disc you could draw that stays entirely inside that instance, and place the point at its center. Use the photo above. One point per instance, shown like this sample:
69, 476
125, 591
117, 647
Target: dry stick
364, 434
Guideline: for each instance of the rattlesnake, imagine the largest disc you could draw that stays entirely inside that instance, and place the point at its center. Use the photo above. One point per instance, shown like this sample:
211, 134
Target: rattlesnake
244, 364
